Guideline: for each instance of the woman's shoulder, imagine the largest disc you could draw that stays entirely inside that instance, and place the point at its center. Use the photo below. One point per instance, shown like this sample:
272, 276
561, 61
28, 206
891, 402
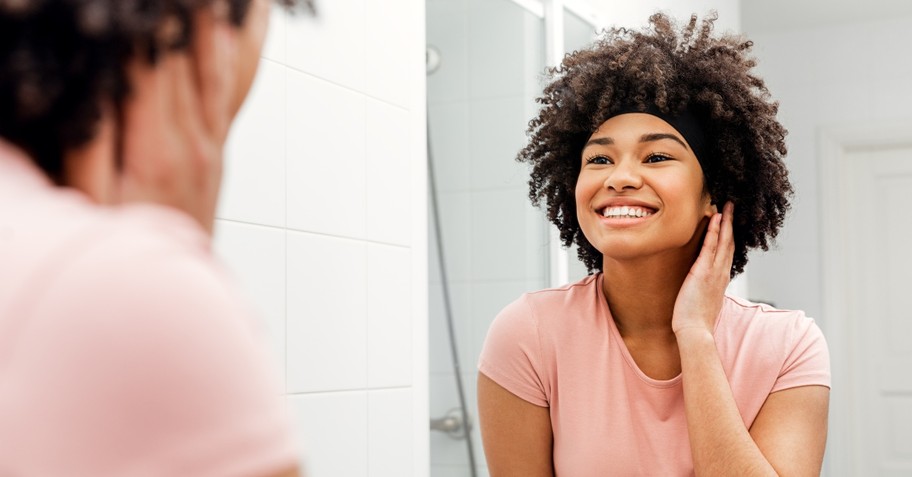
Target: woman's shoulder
546, 306
739, 311
581, 293
762, 326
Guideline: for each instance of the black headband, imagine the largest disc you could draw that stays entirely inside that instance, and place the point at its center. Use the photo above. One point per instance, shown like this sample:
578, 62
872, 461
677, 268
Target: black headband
685, 123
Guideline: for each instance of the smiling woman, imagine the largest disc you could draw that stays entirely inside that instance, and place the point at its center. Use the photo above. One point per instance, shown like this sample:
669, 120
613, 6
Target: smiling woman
659, 154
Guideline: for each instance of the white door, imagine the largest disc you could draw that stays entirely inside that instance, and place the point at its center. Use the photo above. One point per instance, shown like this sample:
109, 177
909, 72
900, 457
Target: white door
878, 238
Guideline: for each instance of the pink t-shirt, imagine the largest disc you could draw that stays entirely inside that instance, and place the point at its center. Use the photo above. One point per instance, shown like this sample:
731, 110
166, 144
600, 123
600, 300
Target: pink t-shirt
124, 348
561, 349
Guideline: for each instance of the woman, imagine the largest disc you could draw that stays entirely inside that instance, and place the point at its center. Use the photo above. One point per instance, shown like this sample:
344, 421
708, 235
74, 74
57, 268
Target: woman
124, 349
658, 153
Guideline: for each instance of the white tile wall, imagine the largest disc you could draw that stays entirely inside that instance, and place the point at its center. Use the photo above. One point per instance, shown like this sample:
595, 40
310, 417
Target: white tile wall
333, 428
503, 247
390, 29
256, 257
327, 313
456, 229
253, 184
389, 325
441, 357
324, 177
449, 145
389, 423
274, 48
387, 168
333, 45
500, 35
492, 150
447, 32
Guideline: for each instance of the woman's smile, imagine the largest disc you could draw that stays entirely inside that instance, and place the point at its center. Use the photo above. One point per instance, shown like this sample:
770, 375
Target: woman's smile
625, 212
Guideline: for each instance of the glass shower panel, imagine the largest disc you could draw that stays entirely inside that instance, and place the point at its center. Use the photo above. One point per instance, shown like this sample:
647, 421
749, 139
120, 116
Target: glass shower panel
491, 56
578, 34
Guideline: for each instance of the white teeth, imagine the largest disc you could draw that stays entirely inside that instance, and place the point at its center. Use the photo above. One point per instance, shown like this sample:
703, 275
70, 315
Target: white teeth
626, 211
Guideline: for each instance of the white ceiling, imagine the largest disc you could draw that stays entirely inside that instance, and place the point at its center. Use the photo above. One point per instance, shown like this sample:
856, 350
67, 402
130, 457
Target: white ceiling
759, 16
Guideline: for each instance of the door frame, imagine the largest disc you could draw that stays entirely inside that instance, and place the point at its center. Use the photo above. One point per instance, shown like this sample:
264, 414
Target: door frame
834, 176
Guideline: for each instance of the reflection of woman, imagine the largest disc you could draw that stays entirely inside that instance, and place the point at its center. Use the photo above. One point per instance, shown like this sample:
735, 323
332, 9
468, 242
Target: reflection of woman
124, 349
646, 367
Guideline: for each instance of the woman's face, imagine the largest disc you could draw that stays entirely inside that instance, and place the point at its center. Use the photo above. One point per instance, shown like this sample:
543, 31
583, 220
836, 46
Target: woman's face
640, 190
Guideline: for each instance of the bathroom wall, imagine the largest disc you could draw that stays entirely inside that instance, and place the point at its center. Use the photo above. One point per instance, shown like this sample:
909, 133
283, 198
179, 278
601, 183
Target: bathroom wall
629, 14
823, 76
848, 74
323, 221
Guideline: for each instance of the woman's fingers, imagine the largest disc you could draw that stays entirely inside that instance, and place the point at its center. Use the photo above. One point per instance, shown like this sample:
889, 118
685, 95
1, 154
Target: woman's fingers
710, 244
726, 247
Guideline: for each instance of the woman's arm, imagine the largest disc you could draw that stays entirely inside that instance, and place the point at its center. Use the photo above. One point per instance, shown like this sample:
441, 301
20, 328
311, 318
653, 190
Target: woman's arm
791, 429
516, 433
789, 434
787, 438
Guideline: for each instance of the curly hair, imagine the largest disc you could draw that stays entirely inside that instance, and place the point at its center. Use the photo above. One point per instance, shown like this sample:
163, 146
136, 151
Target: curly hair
675, 70
62, 59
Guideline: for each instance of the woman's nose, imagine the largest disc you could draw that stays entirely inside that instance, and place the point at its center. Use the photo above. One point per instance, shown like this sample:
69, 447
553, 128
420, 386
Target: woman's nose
624, 175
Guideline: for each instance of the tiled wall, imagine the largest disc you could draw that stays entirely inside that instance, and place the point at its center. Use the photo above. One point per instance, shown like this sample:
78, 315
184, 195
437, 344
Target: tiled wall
323, 221
495, 242
825, 76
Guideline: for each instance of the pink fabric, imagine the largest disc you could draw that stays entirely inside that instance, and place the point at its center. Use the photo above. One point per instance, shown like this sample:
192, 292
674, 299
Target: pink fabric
124, 349
561, 349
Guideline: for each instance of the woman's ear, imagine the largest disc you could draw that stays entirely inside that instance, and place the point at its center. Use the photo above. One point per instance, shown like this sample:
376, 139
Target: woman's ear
709, 207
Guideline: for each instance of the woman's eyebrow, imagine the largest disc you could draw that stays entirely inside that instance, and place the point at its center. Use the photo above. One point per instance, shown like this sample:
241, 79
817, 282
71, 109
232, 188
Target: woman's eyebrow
659, 136
600, 141
651, 137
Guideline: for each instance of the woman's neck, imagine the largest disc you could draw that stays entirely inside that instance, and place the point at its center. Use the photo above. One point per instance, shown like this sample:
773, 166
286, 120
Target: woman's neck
641, 293
91, 168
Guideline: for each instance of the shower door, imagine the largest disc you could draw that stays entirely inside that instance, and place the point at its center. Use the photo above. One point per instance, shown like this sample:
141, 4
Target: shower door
486, 67
495, 244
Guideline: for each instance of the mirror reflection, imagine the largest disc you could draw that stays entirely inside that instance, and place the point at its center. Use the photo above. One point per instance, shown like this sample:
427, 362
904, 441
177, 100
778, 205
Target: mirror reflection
847, 147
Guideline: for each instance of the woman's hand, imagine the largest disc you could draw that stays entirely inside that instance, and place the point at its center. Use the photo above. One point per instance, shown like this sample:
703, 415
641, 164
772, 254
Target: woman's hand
176, 120
700, 298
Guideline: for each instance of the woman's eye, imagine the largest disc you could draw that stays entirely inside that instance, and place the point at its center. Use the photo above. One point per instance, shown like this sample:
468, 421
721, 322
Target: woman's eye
601, 160
655, 158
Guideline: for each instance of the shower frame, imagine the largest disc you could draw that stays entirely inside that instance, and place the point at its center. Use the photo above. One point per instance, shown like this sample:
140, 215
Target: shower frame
553, 12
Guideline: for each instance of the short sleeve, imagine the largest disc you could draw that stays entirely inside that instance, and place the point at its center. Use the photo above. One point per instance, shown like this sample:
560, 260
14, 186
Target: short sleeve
807, 360
512, 355
143, 361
